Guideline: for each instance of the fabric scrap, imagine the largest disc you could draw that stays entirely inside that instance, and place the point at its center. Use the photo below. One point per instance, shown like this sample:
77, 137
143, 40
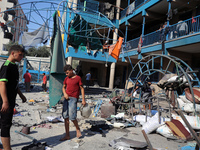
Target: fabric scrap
178, 129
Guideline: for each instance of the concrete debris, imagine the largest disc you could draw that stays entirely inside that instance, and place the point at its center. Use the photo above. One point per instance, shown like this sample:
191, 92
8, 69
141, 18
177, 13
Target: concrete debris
127, 144
99, 132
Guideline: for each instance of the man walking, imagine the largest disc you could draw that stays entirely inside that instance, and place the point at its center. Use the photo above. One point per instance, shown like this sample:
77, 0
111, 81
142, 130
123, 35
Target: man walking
88, 77
44, 83
9, 78
27, 77
72, 86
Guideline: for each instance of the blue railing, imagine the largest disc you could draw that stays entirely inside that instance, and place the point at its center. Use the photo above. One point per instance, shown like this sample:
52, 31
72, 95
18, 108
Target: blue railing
139, 2
152, 38
88, 6
123, 13
132, 43
182, 28
128, 10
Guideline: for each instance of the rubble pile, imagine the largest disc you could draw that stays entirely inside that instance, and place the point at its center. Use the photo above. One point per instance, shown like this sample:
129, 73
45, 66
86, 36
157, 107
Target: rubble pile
112, 126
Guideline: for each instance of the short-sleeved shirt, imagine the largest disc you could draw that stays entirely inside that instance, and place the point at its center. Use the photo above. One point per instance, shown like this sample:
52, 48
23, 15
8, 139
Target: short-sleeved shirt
88, 76
27, 77
44, 79
73, 86
10, 74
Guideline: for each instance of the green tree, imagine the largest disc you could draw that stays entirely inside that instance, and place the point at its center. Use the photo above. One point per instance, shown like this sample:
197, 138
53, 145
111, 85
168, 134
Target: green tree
42, 51
9, 44
32, 51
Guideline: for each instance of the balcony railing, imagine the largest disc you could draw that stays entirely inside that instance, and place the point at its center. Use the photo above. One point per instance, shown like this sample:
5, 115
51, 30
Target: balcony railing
151, 38
128, 10
181, 29
88, 6
132, 43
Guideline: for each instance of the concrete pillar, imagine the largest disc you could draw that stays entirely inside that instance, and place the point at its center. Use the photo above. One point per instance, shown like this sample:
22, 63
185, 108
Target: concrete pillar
112, 75
70, 3
118, 3
69, 60
112, 67
75, 3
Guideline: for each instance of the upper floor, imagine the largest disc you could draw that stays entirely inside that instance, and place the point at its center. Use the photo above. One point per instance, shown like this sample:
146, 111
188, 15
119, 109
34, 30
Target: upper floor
174, 22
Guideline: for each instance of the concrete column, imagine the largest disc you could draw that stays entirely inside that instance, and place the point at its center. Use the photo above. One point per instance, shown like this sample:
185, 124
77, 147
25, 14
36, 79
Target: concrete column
75, 3
112, 75
112, 67
69, 60
70, 3
118, 3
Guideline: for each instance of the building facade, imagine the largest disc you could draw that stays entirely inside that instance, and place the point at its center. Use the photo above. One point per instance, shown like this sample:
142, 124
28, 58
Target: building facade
162, 27
13, 22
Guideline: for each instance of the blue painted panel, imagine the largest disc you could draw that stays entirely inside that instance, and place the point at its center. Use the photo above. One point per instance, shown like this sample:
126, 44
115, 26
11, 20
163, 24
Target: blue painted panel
139, 10
3, 56
183, 41
151, 48
144, 50
41, 72
99, 56
115, 23
129, 53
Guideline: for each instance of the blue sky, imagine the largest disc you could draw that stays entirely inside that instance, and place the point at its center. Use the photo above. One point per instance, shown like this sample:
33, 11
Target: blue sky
39, 13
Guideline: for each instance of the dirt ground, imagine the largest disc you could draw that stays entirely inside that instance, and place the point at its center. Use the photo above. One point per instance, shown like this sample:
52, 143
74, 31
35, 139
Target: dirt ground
34, 114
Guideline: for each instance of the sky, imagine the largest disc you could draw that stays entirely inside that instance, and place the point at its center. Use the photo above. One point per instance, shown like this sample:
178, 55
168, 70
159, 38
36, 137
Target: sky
39, 12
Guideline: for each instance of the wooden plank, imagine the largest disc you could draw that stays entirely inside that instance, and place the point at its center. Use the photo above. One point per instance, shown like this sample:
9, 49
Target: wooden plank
148, 142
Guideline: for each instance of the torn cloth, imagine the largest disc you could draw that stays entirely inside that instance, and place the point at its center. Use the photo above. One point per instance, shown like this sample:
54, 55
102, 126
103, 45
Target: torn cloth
32, 39
116, 51
140, 44
57, 74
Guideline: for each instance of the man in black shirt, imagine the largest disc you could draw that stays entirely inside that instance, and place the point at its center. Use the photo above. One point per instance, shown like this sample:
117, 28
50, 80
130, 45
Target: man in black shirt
9, 77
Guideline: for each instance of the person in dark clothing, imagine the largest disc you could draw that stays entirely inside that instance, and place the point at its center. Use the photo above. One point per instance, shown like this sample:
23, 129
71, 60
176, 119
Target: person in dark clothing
9, 78
79, 70
147, 94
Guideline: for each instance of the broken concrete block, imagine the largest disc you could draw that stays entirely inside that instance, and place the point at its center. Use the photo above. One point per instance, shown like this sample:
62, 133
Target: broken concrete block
107, 110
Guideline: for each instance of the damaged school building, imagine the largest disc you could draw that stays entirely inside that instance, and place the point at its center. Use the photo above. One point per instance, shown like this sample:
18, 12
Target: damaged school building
153, 26
144, 52
146, 19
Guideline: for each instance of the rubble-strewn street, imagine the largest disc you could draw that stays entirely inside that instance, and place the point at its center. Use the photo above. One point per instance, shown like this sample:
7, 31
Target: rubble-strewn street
46, 126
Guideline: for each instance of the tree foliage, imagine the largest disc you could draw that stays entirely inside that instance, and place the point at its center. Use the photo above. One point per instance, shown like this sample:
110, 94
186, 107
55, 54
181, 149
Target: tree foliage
42, 51
8, 45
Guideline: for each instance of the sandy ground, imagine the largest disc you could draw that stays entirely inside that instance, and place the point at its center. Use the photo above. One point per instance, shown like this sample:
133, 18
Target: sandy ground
33, 114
